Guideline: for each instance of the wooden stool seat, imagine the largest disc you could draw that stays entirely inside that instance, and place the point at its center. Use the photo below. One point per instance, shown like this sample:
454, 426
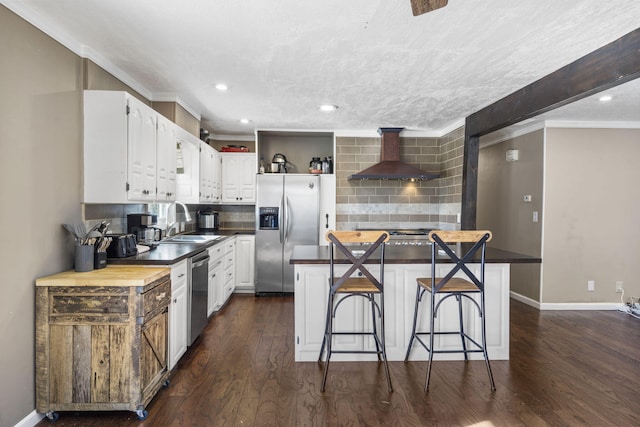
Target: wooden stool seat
455, 284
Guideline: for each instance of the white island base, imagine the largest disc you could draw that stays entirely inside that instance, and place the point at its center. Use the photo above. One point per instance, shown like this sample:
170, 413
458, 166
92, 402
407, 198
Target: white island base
312, 292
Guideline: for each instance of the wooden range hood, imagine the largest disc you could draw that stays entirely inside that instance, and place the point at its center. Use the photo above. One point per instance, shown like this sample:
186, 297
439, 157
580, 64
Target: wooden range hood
390, 166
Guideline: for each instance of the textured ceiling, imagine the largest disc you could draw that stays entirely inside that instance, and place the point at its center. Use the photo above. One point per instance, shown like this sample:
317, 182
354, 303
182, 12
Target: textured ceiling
378, 63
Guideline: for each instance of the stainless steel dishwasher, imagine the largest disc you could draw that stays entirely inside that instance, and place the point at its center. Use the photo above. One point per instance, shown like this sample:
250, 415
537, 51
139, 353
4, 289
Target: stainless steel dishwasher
198, 295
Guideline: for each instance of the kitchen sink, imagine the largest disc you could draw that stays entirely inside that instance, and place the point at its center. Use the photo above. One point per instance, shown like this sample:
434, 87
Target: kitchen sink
191, 238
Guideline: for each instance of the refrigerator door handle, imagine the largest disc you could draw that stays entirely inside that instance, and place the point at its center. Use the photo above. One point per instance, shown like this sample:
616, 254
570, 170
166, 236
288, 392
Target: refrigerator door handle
287, 211
281, 225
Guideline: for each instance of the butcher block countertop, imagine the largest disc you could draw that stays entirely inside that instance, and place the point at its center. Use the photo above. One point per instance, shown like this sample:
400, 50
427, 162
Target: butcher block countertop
116, 275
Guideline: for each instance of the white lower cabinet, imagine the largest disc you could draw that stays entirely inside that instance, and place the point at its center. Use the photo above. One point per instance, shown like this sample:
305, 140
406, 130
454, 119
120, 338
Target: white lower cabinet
245, 263
228, 263
178, 313
216, 278
354, 314
312, 292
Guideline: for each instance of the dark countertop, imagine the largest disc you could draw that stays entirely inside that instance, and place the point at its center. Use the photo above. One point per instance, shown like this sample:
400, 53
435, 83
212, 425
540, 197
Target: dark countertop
405, 255
171, 253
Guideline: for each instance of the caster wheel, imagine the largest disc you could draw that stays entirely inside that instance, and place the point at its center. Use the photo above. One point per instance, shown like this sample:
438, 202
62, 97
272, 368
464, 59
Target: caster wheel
52, 416
142, 414
166, 383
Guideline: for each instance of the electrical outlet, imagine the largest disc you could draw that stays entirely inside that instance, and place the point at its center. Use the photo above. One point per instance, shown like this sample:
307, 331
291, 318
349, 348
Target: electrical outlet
619, 287
591, 285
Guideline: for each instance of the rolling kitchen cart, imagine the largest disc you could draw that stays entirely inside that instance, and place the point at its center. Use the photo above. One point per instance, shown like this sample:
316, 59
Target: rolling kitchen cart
101, 339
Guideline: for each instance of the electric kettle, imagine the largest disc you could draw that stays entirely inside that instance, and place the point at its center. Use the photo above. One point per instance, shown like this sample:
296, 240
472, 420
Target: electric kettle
281, 161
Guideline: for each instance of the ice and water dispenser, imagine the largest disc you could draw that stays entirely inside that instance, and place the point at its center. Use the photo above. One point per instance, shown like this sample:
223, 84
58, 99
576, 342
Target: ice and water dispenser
269, 218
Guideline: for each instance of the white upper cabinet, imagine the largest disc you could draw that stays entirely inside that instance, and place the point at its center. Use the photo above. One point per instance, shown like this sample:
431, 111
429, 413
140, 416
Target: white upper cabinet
141, 150
166, 157
216, 177
206, 172
129, 150
188, 167
238, 178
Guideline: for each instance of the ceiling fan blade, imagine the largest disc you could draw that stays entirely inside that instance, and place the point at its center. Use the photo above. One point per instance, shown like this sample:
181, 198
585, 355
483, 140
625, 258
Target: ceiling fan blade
418, 7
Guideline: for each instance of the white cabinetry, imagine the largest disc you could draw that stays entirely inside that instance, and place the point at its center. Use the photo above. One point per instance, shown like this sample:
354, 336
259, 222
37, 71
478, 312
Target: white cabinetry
188, 170
207, 154
166, 157
216, 177
216, 278
238, 178
141, 150
327, 206
228, 263
121, 143
178, 313
245, 263
311, 294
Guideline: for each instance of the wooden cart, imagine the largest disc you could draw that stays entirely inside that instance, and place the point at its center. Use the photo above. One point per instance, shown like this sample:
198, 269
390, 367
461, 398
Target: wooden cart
101, 339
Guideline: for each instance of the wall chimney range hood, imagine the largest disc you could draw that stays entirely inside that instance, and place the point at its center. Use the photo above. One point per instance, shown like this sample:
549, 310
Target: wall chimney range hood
390, 166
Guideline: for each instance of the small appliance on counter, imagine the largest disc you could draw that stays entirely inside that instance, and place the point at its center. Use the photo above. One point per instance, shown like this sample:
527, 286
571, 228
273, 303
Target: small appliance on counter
279, 163
122, 246
142, 226
208, 220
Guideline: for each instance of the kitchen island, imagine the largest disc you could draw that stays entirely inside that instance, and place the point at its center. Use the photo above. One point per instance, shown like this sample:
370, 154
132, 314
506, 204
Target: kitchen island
403, 265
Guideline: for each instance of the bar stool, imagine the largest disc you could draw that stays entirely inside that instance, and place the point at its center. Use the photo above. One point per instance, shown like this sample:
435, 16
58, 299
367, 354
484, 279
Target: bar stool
473, 242
366, 285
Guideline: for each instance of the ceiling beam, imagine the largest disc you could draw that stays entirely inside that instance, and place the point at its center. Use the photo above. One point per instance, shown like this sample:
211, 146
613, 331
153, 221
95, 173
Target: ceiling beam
611, 65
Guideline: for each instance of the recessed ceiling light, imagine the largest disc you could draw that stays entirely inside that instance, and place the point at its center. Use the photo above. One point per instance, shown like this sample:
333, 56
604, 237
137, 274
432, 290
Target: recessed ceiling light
244, 121
328, 107
222, 87
605, 98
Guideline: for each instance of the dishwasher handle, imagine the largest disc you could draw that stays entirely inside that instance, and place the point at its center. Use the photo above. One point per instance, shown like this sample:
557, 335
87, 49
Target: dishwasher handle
199, 262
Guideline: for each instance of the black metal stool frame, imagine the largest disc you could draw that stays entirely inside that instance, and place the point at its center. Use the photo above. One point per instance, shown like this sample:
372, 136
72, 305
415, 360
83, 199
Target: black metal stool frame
357, 264
435, 288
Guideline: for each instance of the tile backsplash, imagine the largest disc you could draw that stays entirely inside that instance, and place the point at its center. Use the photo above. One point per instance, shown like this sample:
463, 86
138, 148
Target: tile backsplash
234, 217
400, 204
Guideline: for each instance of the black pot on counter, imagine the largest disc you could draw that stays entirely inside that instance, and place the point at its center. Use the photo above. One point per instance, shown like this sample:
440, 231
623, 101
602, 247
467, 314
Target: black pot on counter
208, 220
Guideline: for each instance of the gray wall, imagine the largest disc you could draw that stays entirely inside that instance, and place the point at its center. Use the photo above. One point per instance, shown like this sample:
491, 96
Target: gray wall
583, 184
592, 206
40, 188
502, 186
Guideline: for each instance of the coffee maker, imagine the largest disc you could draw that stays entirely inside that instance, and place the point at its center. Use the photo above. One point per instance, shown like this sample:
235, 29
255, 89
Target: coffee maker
142, 226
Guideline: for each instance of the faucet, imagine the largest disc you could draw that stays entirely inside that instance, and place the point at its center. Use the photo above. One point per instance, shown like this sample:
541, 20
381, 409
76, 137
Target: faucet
172, 224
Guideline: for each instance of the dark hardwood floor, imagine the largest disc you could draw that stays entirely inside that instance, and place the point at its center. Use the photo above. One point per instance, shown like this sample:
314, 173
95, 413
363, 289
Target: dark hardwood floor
567, 368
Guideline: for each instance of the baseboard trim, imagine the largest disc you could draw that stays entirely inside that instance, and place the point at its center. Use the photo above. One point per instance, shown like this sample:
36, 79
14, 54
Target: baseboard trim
565, 305
30, 420
525, 300
579, 306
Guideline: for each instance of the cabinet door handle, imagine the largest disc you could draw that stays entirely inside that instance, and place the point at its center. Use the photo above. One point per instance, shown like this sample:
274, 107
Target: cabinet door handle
180, 275
161, 296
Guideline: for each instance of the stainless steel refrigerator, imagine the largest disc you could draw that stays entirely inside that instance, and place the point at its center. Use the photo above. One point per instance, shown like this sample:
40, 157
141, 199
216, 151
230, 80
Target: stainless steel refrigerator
287, 214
